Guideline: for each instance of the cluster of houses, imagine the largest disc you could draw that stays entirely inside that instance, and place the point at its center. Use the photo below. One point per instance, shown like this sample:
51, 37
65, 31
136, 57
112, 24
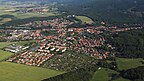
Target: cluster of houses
51, 47
38, 56
31, 58
69, 40
55, 23
17, 35
15, 48
30, 9
125, 29
87, 40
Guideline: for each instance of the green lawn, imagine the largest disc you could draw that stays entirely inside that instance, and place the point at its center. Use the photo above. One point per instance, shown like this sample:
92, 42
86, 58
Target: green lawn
18, 72
85, 19
125, 63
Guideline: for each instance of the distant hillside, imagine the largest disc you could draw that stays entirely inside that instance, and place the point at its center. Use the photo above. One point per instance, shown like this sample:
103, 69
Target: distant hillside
111, 11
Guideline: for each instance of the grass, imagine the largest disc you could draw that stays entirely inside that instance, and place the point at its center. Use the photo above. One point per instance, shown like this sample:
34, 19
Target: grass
121, 79
22, 43
18, 72
85, 19
103, 75
125, 63
4, 44
7, 10
4, 54
28, 15
4, 20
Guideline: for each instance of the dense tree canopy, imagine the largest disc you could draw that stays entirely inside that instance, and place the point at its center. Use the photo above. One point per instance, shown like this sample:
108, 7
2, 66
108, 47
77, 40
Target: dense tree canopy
129, 44
134, 74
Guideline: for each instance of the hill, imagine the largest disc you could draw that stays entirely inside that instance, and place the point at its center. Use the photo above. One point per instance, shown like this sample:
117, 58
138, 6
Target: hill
110, 11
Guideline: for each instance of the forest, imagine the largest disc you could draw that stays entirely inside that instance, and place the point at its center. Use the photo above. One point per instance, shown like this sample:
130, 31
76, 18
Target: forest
118, 11
129, 44
134, 74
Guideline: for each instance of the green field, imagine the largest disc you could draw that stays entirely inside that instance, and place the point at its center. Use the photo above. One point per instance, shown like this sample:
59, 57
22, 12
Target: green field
4, 54
4, 44
102, 75
125, 63
105, 75
85, 19
18, 72
10, 10
121, 79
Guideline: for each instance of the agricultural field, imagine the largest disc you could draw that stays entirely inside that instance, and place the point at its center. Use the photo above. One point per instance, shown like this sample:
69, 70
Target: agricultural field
125, 63
18, 72
11, 10
85, 19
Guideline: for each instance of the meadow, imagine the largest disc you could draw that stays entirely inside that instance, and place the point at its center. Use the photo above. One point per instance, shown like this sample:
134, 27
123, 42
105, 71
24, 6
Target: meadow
18, 72
4, 54
10, 10
85, 19
123, 64
126, 63
105, 74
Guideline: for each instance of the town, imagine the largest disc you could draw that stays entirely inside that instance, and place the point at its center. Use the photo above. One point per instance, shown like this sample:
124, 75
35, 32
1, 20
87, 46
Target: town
56, 39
